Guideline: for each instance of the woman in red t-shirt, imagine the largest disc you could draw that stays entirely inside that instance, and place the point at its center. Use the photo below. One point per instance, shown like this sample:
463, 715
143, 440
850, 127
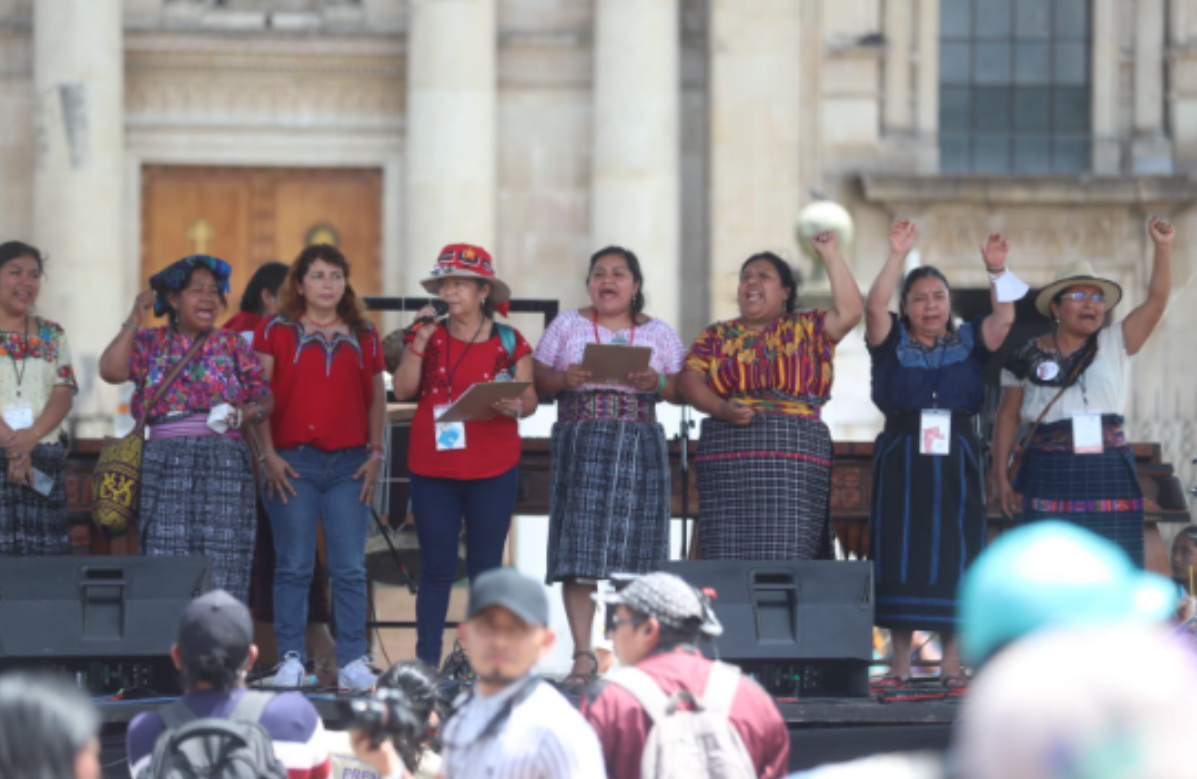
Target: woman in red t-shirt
461, 470
321, 454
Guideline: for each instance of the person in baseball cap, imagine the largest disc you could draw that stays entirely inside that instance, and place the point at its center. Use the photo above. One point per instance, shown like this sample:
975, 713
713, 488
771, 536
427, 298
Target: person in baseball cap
215, 644
682, 614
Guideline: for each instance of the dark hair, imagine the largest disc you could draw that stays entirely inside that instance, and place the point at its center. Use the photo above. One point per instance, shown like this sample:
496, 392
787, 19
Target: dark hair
488, 305
44, 724
14, 250
419, 685
915, 276
291, 304
268, 277
169, 310
1190, 531
633, 264
789, 277
215, 669
671, 636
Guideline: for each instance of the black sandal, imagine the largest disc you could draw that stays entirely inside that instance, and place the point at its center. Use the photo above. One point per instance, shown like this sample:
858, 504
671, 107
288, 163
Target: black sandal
578, 677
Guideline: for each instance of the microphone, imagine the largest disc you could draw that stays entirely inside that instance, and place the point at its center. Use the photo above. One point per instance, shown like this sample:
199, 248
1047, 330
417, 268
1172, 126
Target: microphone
442, 311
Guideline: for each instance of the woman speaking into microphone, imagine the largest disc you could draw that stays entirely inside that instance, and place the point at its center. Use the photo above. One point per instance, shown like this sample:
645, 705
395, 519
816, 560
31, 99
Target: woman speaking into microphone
461, 470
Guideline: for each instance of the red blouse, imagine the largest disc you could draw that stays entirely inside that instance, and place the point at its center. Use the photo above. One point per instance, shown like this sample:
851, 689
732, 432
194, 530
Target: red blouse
449, 368
322, 387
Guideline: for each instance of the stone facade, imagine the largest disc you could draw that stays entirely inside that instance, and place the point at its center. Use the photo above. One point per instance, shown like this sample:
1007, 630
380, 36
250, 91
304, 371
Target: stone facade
773, 100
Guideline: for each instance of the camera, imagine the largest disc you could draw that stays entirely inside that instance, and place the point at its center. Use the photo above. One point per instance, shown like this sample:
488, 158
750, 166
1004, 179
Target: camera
387, 714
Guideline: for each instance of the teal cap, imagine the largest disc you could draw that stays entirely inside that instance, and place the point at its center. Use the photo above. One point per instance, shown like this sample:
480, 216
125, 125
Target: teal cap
1053, 574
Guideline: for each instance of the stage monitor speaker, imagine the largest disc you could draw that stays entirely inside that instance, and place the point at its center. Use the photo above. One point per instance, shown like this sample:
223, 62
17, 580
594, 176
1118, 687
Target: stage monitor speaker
108, 621
801, 628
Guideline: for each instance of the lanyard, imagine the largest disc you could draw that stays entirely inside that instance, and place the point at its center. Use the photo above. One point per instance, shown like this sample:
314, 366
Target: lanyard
941, 347
449, 354
1080, 379
20, 374
598, 340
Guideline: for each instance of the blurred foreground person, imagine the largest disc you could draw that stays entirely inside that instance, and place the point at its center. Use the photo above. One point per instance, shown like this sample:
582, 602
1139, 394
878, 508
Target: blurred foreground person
48, 729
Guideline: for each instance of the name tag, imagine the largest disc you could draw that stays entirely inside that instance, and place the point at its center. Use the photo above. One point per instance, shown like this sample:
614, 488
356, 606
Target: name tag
1086, 433
935, 432
18, 416
450, 436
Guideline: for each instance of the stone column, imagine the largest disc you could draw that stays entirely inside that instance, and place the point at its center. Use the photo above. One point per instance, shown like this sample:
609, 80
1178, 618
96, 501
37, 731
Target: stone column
899, 18
78, 70
927, 86
756, 113
1182, 76
635, 201
450, 157
1105, 77
1151, 150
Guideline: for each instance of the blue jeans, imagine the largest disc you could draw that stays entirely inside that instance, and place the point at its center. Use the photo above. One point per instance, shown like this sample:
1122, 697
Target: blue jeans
325, 490
439, 506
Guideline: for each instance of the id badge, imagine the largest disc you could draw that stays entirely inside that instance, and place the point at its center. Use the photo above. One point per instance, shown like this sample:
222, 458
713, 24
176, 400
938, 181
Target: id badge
935, 432
18, 416
1086, 433
450, 436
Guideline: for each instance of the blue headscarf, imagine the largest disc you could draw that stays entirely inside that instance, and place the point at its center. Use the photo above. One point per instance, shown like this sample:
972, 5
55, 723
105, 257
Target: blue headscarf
174, 277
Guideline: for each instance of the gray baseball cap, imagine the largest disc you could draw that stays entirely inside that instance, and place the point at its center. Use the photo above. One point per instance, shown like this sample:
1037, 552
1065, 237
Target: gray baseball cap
506, 587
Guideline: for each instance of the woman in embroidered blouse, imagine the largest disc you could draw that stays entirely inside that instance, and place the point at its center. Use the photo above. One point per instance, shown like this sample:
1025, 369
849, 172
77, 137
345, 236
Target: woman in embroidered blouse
610, 496
37, 387
466, 470
1089, 479
929, 505
197, 490
322, 453
764, 453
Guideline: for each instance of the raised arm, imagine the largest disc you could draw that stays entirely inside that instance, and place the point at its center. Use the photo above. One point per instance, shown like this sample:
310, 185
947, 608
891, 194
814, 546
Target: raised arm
114, 362
877, 319
997, 325
1141, 323
847, 306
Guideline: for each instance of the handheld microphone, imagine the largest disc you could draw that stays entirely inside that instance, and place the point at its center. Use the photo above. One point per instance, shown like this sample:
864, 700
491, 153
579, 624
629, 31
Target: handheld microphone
442, 311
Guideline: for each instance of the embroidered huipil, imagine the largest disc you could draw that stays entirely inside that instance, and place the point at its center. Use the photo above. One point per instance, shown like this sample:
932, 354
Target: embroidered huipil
224, 371
784, 369
34, 366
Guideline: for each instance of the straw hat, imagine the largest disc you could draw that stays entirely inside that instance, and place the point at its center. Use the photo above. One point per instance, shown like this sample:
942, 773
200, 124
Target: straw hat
1074, 274
465, 261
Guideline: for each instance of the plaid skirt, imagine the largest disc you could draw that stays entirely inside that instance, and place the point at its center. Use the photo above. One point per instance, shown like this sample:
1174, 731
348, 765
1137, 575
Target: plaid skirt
32, 524
1099, 492
198, 498
764, 491
609, 499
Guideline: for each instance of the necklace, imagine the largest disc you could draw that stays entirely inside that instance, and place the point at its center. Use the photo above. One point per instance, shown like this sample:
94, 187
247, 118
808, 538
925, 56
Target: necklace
24, 359
321, 325
618, 340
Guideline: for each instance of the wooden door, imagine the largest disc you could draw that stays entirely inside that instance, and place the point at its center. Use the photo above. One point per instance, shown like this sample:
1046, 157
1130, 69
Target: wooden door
251, 216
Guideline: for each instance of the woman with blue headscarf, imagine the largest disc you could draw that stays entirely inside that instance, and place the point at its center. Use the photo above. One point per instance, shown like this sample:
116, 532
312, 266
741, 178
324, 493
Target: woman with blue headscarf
197, 490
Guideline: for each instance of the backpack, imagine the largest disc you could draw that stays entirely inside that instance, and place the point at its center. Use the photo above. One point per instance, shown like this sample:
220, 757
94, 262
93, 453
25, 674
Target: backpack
215, 747
690, 743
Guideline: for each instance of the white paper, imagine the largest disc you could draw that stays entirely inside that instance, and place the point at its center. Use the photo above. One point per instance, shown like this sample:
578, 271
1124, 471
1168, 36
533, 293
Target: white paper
1086, 433
18, 416
1009, 287
450, 436
218, 418
935, 432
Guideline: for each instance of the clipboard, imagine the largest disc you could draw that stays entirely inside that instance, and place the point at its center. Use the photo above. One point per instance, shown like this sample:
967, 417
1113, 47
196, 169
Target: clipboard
611, 364
475, 404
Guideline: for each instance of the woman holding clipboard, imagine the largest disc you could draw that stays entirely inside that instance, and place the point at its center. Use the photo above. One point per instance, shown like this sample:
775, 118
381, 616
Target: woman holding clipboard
609, 500
461, 470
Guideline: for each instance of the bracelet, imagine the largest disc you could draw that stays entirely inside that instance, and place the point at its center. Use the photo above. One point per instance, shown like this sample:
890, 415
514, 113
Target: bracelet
377, 456
995, 272
661, 384
130, 325
376, 448
262, 457
412, 350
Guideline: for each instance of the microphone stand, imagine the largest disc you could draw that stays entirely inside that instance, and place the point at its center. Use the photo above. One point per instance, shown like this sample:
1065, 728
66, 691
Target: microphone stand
683, 438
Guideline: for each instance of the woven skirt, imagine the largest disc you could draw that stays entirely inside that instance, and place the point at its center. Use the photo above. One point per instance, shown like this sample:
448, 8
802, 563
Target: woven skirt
1099, 492
609, 499
32, 524
198, 498
764, 491
926, 524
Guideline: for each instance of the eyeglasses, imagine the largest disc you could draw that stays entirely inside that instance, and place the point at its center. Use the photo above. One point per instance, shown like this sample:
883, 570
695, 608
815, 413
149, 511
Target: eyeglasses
614, 622
1081, 297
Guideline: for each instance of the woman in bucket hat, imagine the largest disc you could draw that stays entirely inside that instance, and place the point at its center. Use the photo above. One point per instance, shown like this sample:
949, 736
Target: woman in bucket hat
461, 470
1073, 381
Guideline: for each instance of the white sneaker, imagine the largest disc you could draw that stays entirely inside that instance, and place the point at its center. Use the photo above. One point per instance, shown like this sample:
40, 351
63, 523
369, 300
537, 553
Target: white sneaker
357, 675
290, 672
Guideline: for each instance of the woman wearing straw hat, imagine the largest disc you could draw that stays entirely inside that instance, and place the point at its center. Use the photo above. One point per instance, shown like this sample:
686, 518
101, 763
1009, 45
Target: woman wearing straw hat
461, 470
1070, 386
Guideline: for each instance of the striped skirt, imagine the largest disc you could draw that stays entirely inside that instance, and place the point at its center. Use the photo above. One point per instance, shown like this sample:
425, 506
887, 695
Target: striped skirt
764, 491
1099, 492
32, 524
926, 523
609, 499
198, 498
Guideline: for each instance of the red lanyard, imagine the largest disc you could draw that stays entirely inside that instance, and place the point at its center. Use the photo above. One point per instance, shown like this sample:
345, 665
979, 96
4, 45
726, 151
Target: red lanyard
598, 340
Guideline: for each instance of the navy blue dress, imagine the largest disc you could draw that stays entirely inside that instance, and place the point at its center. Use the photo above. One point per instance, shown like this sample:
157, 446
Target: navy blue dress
927, 519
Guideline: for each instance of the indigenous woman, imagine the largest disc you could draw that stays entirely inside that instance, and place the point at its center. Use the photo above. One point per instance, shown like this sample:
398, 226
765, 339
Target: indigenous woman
610, 496
764, 453
37, 387
929, 504
461, 471
321, 454
1078, 466
197, 484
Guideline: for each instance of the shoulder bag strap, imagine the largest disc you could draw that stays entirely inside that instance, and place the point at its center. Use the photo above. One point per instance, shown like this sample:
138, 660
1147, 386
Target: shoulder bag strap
647, 692
1072, 377
170, 379
251, 707
721, 689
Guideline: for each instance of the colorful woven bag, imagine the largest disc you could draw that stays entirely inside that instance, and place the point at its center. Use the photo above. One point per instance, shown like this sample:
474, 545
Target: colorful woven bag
116, 480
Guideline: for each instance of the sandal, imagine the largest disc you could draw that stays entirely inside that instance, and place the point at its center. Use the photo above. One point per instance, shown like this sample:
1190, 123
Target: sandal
579, 677
954, 682
890, 682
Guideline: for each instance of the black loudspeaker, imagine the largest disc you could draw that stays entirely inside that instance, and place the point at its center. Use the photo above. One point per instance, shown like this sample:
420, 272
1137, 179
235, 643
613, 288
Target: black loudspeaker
108, 621
800, 628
